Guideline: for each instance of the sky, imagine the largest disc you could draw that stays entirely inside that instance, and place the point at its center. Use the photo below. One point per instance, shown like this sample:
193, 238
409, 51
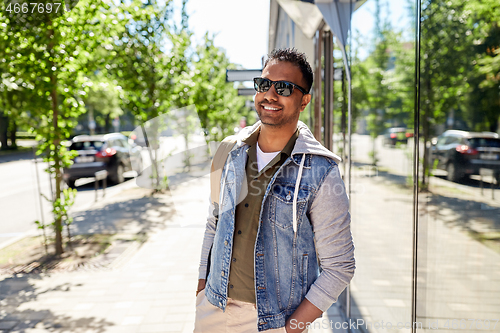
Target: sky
242, 27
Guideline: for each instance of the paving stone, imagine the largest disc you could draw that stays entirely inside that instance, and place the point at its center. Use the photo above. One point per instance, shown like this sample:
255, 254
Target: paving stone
7, 325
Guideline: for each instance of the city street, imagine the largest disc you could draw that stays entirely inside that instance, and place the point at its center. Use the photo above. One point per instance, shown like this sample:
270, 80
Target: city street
398, 162
19, 200
19, 195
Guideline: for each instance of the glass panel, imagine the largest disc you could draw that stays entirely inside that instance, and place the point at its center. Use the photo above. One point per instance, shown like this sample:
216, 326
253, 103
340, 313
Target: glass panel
383, 69
459, 224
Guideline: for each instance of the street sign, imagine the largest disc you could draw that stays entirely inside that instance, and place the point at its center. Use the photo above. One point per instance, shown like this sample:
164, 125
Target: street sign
246, 91
242, 74
337, 74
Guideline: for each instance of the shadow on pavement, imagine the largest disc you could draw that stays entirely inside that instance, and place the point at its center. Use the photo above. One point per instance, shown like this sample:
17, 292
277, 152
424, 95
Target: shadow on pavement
473, 182
89, 184
470, 215
16, 156
368, 170
137, 212
20, 289
473, 214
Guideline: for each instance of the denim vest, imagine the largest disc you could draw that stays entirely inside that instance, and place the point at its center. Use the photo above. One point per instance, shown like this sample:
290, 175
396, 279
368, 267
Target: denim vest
285, 261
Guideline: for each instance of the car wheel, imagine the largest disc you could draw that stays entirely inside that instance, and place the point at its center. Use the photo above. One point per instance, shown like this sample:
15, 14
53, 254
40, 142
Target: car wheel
453, 172
118, 176
71, 183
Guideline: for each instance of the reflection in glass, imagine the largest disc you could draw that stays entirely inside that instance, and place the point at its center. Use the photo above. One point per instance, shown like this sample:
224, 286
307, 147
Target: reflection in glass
383, 65
459, 222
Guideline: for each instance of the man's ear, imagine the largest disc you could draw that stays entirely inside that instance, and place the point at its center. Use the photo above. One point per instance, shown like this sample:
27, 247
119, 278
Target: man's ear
306, 99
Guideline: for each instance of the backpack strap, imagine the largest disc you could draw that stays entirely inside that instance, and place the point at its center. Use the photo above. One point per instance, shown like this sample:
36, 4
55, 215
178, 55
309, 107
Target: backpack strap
218, 162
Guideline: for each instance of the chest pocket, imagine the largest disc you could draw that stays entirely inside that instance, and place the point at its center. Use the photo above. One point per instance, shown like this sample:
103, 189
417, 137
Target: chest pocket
282, 201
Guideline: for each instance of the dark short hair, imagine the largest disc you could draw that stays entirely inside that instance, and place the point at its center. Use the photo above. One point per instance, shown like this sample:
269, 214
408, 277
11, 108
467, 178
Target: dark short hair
296, 58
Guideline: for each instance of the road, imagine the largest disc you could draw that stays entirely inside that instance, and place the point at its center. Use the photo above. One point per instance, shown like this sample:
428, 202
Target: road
19, 200
398, 162
19, 193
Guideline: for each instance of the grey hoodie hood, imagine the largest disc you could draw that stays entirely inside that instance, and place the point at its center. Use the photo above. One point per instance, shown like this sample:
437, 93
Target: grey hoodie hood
306, 142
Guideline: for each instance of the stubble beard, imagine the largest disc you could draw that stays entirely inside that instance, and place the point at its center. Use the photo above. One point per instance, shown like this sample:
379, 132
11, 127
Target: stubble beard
280, 121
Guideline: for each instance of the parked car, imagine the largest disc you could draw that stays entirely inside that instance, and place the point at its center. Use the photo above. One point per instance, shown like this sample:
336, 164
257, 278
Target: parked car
463, 153
394, 135
110, 152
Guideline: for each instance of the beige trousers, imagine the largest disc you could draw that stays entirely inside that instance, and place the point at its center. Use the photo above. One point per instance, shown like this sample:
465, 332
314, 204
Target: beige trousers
239, 317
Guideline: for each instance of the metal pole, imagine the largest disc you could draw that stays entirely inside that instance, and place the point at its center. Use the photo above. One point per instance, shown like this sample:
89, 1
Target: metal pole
39, 188
154, 166
349, 125
343, 121
96, 187
42, 218
50, 184
328, 116
416, 151
317, 85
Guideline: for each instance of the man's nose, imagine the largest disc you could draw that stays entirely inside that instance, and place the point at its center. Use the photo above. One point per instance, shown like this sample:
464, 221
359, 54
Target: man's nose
271, 94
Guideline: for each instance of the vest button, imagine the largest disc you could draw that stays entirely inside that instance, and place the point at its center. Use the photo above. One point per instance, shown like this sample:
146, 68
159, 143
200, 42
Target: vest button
220, 304
288, 197
222, 273
225, 243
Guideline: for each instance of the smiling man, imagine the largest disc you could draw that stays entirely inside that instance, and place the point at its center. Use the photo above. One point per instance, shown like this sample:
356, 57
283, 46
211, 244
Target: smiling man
281, 255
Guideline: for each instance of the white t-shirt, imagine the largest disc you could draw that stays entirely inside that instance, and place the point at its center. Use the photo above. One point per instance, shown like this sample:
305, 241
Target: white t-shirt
263, 159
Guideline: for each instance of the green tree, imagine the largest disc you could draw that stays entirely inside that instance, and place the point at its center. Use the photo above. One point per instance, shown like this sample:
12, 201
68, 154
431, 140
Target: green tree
103, 101
378, 65
445, 66
217, 102
484, 93
49, 55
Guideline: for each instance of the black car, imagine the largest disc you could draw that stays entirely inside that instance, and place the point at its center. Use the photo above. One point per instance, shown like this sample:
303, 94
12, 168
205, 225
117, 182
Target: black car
110, 152
463, 153
394, 135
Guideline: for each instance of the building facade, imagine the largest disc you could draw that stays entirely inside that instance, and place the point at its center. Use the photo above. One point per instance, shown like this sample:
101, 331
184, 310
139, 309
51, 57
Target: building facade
427, 243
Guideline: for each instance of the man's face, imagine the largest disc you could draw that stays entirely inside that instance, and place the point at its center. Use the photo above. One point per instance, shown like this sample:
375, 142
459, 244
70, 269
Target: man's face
279, 111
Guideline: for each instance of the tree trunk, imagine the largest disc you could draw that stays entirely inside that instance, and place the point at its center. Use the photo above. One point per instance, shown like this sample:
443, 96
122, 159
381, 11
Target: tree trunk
57, 160
4, 125
12, 134
57, 164
107, 123
425, 127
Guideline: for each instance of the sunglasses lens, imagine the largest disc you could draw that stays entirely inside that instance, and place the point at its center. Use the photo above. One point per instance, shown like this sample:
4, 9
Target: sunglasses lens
261, 84
283, 88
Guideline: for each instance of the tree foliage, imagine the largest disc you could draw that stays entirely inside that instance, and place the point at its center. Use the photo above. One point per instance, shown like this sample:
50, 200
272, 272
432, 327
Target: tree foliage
460, 70
108, 57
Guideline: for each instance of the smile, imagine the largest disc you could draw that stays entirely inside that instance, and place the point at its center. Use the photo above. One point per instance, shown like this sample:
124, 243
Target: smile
268, 108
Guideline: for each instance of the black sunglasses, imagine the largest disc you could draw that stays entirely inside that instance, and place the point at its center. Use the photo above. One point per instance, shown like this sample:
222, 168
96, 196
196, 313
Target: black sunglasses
283, 88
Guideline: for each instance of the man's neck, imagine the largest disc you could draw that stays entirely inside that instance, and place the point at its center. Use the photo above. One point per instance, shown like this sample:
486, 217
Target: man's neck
272, 139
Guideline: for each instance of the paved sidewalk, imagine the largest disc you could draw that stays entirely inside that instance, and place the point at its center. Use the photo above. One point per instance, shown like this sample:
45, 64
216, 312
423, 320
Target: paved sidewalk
151, 289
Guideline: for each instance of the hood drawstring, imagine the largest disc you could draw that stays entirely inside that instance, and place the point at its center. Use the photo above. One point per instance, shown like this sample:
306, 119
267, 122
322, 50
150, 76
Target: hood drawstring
296, 193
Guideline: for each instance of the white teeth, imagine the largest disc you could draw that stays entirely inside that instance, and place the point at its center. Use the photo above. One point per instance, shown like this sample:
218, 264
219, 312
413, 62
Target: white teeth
269, 108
